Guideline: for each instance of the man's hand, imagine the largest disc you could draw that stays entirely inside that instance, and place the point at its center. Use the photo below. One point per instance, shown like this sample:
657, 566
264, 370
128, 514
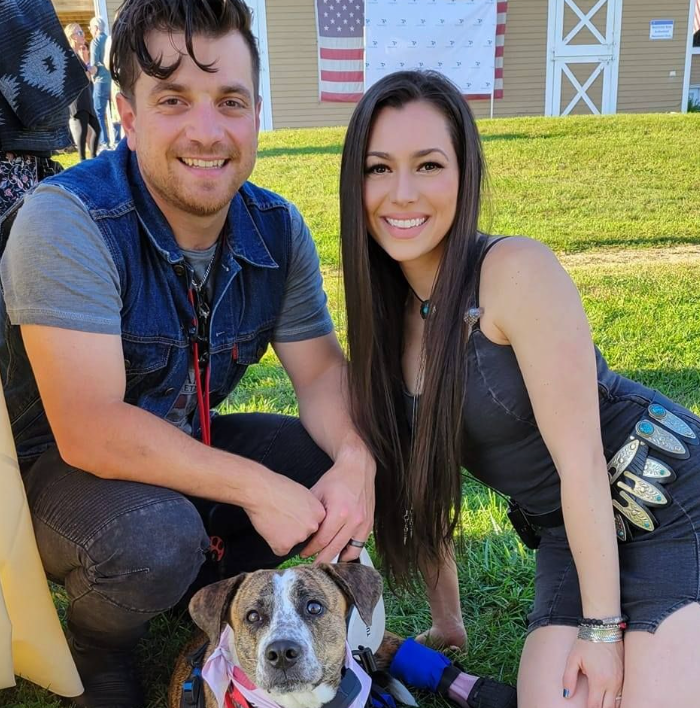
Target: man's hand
284, 512
318, 373
346, 492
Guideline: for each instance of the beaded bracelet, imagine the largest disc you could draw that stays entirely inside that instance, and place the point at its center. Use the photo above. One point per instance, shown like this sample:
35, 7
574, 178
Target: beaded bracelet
620, 622
607, 630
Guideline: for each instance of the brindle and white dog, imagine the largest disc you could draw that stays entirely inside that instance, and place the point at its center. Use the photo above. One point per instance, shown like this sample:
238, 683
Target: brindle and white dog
289, 629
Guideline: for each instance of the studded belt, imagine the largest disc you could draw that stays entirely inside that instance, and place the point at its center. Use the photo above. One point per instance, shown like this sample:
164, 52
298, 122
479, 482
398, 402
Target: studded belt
637, 477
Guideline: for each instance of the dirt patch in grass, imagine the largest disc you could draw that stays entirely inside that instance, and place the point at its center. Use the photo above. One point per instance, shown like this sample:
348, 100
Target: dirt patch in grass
632, 256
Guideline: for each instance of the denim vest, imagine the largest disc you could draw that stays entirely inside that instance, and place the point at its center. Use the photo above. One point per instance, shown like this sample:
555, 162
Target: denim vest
156, 316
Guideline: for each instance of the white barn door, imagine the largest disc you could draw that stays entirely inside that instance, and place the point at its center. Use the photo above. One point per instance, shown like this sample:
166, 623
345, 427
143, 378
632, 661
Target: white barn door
583, 48
260, 32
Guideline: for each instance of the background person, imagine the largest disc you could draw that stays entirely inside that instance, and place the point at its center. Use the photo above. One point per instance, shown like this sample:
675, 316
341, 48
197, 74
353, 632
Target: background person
474, 351
83, 121
114, 119
102, 81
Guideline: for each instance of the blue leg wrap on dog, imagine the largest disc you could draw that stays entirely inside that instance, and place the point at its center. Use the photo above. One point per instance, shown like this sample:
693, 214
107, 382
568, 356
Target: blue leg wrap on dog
419, 666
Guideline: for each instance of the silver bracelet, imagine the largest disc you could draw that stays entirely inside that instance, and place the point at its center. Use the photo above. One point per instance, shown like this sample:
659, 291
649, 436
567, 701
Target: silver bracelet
620, 620
605, 635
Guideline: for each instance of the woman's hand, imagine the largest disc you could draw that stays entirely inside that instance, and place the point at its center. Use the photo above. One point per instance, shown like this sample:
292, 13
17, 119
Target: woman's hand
602, 665
452, 636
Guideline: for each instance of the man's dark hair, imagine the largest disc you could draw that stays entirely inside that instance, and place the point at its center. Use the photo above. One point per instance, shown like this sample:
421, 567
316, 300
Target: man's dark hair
137, 18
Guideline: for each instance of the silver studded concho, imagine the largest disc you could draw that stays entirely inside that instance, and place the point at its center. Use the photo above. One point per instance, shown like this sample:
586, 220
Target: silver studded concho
637, 478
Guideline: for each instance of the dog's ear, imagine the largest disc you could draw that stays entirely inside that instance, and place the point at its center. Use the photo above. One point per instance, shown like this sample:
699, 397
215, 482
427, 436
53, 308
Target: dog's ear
209, 605
361, 584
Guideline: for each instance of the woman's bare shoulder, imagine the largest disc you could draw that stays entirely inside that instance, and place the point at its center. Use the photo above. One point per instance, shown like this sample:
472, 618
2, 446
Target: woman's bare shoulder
518, 273
517, 257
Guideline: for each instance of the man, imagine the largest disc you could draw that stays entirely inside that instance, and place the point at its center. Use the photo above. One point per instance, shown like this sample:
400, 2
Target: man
102, 82
139, 286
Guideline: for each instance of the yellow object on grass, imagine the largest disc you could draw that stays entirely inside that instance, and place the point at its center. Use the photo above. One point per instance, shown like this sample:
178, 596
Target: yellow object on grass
32, 644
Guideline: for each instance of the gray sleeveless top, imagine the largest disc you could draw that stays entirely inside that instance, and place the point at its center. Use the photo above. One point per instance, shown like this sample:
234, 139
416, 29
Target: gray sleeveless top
501, 443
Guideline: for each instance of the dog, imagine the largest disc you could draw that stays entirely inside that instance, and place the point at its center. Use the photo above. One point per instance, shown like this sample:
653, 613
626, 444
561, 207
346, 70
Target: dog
286, 630
289, 629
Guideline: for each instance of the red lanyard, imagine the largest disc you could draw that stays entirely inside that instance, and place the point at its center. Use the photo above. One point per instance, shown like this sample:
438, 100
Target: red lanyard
234, 698
202, 388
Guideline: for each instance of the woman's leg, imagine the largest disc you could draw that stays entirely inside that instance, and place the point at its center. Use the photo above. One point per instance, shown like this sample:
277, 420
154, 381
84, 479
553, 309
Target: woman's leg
95, 125
661, 669
79, 128
542, 667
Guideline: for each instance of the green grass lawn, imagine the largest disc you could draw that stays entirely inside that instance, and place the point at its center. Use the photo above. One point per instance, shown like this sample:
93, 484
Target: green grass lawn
621, 183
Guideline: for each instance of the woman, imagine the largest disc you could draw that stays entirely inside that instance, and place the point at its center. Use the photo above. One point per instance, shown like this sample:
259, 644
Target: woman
82, 112
471, 350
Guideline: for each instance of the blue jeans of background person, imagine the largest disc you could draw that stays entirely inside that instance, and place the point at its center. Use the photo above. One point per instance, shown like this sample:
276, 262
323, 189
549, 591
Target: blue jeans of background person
100, 98
126, 551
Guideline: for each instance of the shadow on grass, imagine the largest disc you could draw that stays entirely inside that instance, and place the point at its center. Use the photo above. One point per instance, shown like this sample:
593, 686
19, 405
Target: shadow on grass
337, 149
305, 150
508, 137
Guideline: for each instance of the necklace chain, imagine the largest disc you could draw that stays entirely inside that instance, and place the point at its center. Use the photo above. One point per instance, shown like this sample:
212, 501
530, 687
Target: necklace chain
199, 285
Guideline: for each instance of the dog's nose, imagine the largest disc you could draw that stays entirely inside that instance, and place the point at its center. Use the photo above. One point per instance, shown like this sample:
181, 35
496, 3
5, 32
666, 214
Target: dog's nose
282, 654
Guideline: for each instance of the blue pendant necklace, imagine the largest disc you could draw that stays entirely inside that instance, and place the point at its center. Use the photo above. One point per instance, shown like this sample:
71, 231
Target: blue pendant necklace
424, 304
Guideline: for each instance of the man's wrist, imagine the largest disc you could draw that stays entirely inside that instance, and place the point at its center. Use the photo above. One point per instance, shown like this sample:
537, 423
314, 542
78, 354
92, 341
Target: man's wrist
248, 485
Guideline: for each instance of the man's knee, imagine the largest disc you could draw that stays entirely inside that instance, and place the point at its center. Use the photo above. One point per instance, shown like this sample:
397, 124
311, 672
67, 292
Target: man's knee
145, 560
276, 441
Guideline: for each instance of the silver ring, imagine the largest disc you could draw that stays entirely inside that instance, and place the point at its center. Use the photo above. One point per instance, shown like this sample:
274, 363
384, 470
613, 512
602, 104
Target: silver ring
356, 544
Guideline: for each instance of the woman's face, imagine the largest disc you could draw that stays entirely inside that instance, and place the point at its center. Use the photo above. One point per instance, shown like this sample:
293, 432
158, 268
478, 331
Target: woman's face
411, 182
77, 38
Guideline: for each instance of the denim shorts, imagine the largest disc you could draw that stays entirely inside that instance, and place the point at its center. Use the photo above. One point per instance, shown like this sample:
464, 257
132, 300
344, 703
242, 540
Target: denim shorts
659, 570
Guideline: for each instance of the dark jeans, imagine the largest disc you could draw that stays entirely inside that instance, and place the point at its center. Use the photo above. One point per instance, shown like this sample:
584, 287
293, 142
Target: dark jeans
126, 552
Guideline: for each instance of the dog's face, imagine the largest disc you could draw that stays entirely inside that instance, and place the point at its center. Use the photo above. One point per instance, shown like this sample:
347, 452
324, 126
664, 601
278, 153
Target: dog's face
289, 627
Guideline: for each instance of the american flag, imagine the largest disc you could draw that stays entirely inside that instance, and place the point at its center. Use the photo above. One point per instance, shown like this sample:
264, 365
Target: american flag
696, 20
341, 25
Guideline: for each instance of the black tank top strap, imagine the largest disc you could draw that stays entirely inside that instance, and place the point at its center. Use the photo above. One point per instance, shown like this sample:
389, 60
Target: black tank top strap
473, 314
488, 245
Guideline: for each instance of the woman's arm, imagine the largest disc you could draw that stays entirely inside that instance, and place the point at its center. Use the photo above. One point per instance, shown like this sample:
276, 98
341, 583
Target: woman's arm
531, 303
445, 607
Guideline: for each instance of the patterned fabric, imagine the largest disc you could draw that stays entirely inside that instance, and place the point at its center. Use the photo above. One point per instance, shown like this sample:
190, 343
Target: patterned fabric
19, 174
40, 77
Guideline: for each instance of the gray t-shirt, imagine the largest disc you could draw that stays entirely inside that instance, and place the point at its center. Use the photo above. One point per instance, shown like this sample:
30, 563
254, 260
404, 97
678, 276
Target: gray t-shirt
57, 271
203, 264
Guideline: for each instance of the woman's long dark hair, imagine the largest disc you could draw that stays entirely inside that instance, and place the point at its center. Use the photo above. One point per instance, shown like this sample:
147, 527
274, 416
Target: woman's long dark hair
418, 478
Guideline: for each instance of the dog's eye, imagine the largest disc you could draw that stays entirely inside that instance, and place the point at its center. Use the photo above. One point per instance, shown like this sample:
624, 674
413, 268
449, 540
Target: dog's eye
314, 608
253, 617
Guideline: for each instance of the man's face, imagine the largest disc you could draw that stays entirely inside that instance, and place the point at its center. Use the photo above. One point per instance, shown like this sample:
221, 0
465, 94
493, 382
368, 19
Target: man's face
195, 133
